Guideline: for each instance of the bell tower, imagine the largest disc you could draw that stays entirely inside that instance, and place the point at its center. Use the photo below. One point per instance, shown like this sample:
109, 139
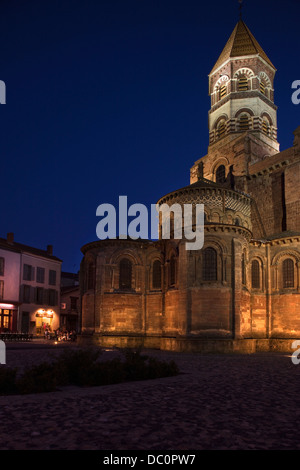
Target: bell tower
241, 87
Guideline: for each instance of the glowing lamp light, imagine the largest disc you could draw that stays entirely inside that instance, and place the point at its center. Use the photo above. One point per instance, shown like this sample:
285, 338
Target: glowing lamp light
7, 306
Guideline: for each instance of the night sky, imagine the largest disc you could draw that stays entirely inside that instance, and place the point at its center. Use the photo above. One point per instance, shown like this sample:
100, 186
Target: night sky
110, 97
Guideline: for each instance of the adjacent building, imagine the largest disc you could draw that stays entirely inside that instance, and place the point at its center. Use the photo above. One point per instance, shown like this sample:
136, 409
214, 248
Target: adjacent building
70, 302
29, 287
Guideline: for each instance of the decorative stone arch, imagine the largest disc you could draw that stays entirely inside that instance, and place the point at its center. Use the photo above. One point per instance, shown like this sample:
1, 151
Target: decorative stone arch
220, 161
268, 117
285, 254
222, 117
277, 269
244, 71
223, 80
222, 252
266, 123
216, 215
115, 261
153, 258
242, 111
264, 77
243, 79
265, 85
243, 119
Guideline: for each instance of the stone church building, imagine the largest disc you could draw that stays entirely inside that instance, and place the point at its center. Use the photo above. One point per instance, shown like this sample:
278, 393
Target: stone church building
241, 291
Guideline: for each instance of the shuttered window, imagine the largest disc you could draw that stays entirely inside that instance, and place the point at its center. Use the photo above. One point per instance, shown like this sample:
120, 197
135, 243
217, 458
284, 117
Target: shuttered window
243, 83
222, 91
244, 122
221, 129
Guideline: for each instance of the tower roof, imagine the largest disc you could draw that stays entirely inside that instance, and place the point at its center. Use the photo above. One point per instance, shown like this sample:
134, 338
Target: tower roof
241, 43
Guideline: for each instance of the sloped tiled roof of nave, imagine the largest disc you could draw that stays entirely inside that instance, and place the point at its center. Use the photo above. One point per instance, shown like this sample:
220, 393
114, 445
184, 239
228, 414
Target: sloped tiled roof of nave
286, 155
241, 43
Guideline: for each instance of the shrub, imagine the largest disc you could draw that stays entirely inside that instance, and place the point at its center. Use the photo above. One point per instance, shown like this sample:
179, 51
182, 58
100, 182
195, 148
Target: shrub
7, 380
38, 379
81, 367
74, 366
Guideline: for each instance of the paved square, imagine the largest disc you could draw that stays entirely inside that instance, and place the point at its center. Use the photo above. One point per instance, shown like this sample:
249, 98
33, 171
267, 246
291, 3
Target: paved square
217, 402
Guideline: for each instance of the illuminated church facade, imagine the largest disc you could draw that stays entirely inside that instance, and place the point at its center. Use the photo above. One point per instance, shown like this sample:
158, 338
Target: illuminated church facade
241, 291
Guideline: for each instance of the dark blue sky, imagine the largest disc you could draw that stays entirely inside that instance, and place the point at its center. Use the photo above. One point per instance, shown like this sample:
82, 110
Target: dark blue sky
110, 97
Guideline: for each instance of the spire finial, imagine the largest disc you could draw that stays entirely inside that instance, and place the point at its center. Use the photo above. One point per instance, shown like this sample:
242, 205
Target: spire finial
241, 6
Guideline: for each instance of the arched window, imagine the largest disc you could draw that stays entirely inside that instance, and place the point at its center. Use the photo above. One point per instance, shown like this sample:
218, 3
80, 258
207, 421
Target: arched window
125, 275
244, 122
265, 126
156, 274
243, 269
91, 276
255, 274
242, 83
172, 270
209, 265
288, 273
221, 129
222, 91
262, 87
220, 174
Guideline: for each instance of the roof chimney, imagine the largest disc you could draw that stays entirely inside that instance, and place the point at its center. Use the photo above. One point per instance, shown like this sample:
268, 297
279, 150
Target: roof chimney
50, 250
10, 238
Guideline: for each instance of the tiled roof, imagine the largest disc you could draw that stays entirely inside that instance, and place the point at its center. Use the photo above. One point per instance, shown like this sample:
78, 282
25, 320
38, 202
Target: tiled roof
20, 248
241, 43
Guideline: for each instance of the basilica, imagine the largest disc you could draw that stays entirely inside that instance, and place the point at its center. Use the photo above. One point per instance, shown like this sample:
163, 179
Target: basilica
241, 291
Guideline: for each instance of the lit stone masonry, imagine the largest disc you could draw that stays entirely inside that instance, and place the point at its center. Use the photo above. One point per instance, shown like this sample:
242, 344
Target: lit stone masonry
241, 291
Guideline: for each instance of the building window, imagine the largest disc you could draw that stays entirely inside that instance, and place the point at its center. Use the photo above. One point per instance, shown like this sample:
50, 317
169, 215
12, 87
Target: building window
265, 126
172, 270
52, 297
209, 266
40, 275
28, 272
26, 294
262, 87
221, 129
91, 276
243, 83
5, 320
156, 275
243, 269
244, 122
73, 303
1, 290
288, 273
125, 275
222, 91
1, 266
255, 274
220, 174
39, 295
52, 277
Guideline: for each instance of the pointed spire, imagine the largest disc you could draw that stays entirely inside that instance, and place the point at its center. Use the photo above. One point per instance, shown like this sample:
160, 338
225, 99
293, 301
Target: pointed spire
241, 6
241, 43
